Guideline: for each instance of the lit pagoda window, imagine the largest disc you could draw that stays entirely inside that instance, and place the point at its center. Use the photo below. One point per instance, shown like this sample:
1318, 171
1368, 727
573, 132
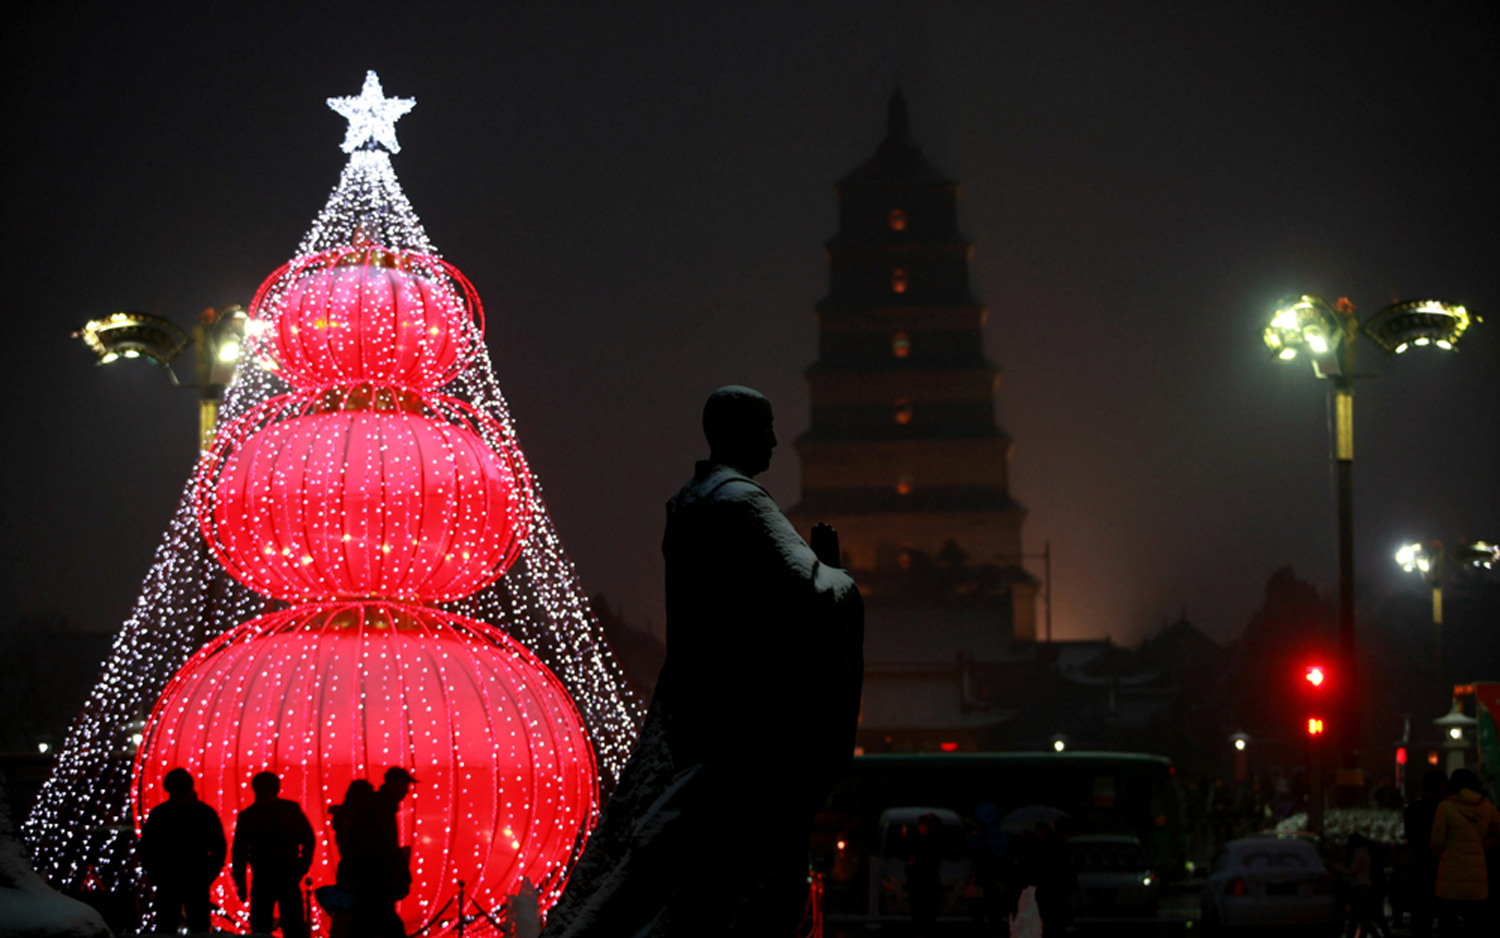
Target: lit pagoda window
896, 219
900, 345
903, 411
898, 280
904, 485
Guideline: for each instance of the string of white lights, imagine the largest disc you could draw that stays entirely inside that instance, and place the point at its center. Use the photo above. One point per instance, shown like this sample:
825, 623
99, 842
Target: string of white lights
81, 831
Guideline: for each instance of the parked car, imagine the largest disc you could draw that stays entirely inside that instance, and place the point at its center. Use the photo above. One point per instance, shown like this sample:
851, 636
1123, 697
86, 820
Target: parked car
897, 827
1263, 881
1114, 878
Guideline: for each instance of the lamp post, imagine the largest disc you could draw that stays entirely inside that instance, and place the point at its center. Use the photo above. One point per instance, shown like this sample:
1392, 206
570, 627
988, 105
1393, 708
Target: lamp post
1429, 560
1454, 726
1328, 335
1241, 742
217, 338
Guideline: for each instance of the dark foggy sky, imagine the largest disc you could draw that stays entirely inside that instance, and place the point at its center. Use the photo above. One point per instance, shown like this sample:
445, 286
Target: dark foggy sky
640, 193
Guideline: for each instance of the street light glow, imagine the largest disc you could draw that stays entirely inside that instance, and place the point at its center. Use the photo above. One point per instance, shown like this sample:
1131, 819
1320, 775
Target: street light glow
1480, 554
1414, 557
1058, 745
131, 335
1303, 322
1239, 744
1419, 322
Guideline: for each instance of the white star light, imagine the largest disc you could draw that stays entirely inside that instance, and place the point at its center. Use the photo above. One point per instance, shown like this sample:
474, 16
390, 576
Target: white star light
372, 116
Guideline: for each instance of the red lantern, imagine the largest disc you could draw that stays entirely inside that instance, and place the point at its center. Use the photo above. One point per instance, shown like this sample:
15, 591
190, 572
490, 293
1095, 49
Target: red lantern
365, 503
368, 314
326, 693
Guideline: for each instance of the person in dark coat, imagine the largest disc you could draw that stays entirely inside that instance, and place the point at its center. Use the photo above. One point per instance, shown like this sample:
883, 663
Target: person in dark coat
990, 857
274, 839
1417, 820
1056, 878
752, 721
377, 867
338, 899
356, 798
924, 881
182, 848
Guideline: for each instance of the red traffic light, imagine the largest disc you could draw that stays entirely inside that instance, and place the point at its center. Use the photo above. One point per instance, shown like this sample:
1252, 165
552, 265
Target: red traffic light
1315, 675
1401, 755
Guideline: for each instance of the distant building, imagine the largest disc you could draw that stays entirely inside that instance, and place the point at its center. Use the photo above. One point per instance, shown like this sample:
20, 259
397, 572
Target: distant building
904, 457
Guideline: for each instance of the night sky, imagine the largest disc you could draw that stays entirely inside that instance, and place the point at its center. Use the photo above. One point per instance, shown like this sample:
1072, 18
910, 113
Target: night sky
640, 193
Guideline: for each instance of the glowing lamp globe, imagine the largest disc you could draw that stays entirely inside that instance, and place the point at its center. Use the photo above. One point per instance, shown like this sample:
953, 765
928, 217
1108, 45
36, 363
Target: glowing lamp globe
327, 693
360, 504
368, 314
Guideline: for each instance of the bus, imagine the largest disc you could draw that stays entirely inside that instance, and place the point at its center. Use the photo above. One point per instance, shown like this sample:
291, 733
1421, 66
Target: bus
1104, 792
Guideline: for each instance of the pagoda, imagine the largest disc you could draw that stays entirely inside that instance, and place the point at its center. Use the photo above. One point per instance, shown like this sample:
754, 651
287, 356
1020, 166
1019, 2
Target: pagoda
903, 454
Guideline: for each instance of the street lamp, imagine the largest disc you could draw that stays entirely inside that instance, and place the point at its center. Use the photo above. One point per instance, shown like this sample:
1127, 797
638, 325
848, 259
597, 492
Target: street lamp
218, 337
1429, 560
1454, 725
1328, 335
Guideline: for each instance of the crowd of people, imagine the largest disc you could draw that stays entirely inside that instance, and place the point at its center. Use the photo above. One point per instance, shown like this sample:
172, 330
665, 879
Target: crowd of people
183, 848
1002, 867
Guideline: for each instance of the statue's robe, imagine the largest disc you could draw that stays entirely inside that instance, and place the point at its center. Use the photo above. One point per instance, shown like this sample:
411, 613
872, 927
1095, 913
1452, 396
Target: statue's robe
751, 725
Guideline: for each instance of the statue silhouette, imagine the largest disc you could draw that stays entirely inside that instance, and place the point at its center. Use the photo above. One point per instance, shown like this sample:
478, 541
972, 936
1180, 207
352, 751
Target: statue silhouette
753, 717
274, 840
182, 848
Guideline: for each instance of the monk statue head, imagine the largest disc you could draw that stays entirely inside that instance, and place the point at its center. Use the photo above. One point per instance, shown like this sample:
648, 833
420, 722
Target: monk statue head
737, 421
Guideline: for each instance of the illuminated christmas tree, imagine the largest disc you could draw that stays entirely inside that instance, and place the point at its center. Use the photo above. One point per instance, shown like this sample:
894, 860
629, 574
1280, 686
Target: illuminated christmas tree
361, 574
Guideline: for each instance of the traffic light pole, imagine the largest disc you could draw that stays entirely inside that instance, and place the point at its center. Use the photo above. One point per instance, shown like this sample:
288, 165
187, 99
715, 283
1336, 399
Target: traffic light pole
1315, 784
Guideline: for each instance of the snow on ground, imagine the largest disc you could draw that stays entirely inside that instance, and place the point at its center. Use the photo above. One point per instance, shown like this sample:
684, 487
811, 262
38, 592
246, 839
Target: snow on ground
29, 908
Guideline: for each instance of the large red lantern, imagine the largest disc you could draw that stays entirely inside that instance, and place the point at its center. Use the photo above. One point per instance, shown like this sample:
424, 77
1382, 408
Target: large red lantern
368, 314
385, 502
325, 693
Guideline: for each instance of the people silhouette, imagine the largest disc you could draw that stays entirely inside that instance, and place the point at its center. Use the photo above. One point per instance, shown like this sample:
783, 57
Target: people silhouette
752, 719
182, 848
372, 863
924, 883
274, 839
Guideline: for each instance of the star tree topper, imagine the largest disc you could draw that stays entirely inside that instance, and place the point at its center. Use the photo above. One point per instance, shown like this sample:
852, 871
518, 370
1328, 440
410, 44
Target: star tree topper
372, 116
